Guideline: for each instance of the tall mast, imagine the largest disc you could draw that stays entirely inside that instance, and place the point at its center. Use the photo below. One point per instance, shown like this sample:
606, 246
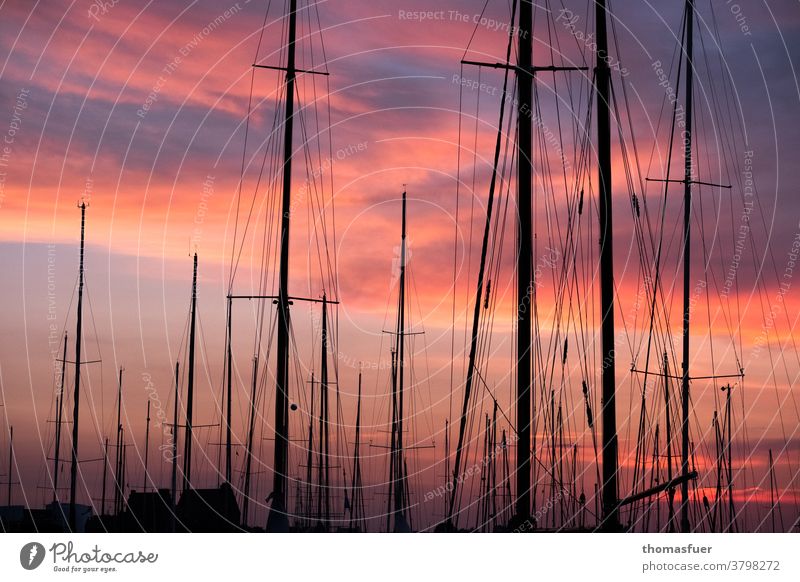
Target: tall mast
59, 420
249, 450
118, 465
493, 467
146, 446
124, 473
772, 495
524, 71
553, 454
229, 369
310, 453
400, 523
668, 419
174, 481
524, 256
187, 453
610, 501
655, 478
506, 475
10, 464
323, 385
321, 485
392, 441
719, 455
446, 462
278, 520
105, 473
73, 478
729, 451
483, 493
355, 497
687, 215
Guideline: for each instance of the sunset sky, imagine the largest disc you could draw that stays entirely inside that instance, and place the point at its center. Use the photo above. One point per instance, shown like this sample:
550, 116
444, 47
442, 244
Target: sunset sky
139, 108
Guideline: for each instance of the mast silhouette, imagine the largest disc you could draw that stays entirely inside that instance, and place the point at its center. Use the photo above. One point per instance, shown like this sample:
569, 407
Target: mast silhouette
772, 492
610, 498
146, 446
229, 403
187, 453
249, 450
392, 440
774, 496
278, 520
310, 454
124, 471
668, 419
687, 232
59, 420
729, 454
686, 473
356, 496
10, 463
325, 428
174, 481
398, 464
73, 480
446, 497
524, 259
493, 462
321, 485
118, 483
524, 71
105, 474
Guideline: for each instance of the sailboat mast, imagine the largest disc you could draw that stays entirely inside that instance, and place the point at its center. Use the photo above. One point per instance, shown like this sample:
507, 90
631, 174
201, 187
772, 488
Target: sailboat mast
321, 485
187, 453
59, 420
278, 519
392, 442
310, 453
118, 464
229, 365
718, 450
687, 215
506, 475
771, 491
146, 446
446, 462
10, 463
729, 451
399, 465
174, 481
610, 501
105, 473
123, 472
493, 465
553, 455
655, 473
668, 420
76, 398
355, 496
249, 450
323, 384
774, 497
524, 258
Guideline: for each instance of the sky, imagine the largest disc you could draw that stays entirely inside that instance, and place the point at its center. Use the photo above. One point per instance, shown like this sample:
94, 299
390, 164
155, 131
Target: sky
141, 110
